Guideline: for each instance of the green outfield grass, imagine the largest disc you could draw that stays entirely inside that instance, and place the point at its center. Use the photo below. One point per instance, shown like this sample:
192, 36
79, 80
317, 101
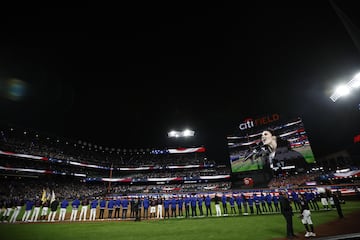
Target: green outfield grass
231, 227
243, 166
307, 152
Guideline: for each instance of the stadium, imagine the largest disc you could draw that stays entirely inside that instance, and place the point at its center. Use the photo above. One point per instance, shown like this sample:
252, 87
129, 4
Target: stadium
88, 93
46, 179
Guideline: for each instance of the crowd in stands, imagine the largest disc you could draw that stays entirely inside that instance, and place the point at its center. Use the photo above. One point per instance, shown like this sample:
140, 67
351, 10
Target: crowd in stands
291, 181
26, 142
32, 143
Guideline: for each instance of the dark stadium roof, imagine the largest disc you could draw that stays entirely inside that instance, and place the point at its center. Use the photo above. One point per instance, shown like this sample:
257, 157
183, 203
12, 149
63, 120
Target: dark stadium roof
125, 75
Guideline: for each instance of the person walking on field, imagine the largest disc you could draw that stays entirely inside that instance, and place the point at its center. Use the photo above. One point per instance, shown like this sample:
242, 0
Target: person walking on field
306, 216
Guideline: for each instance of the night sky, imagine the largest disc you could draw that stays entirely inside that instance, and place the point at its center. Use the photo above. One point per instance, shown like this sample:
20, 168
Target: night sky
123, 75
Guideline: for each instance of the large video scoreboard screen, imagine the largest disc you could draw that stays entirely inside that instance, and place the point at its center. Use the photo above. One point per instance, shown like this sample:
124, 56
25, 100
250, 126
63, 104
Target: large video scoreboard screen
270, 143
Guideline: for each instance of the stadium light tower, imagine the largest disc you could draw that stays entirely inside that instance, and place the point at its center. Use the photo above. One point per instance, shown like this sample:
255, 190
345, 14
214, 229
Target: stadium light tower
178, 134
346, 89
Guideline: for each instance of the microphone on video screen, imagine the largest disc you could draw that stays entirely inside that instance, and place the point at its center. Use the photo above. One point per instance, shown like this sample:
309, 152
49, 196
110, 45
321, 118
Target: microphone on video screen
256, 151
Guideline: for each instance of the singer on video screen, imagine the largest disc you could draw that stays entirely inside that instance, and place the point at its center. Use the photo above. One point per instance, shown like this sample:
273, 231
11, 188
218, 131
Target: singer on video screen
277, 154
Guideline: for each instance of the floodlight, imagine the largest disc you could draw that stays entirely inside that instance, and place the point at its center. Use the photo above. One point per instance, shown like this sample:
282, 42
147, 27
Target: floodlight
188, 133
184, 133
355, 82
173, 134
344, 90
